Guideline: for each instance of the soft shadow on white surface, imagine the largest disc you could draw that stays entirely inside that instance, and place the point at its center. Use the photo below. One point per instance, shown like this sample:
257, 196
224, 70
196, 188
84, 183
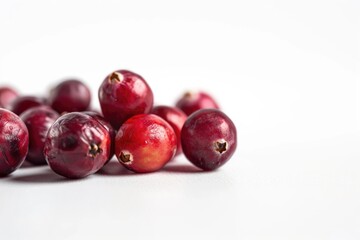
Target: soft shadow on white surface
183, 168
113, 168
40, 176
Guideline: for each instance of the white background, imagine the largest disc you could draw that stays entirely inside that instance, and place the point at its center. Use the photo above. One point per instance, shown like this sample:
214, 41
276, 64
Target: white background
286, 72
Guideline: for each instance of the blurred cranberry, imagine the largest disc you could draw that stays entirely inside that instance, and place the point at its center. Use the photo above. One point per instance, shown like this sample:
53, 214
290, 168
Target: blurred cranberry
193, 101
23, 103
70, 96
7, 95
38, 120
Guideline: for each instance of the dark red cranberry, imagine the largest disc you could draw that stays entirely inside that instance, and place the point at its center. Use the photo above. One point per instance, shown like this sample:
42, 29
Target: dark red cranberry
14, 142
108, 127
23, 103
175, 117
70, 96
145, 143
193, 101
208, 138
124, 94
38, 120
76, 145
7, 95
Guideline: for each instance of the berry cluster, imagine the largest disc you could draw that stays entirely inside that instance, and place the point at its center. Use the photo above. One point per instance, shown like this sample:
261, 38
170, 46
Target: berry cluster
75, 142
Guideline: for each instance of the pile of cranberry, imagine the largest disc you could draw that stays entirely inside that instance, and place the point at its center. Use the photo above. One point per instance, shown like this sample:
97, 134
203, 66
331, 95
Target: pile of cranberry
75, 142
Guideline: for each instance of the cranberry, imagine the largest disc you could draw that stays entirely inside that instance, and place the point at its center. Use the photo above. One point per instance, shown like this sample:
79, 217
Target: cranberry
38, 120
70, 96
124, 94
76, 145
175, 117
108, 127
23, 103
193, 101
7, 95
14, 142
208, 138
145, 143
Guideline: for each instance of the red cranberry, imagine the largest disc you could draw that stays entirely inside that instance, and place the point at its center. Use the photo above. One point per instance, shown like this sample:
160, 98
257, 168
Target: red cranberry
208, 138
76, 145
23, 103
14, 142
38, 120
7, 95
108, 127
193, 101
175, 117
145, 143
70, 96
124, 94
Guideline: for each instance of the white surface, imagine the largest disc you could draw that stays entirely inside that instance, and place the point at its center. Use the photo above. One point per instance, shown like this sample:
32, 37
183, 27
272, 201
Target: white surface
286, 72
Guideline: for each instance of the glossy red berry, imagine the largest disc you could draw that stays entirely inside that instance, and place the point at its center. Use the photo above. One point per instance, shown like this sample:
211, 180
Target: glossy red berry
145, 143
70, 96
175, 117
192, 101
208, 138
76, 145
108, 127
38, 120
23, 103
7, 95
14, 142
124, 94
